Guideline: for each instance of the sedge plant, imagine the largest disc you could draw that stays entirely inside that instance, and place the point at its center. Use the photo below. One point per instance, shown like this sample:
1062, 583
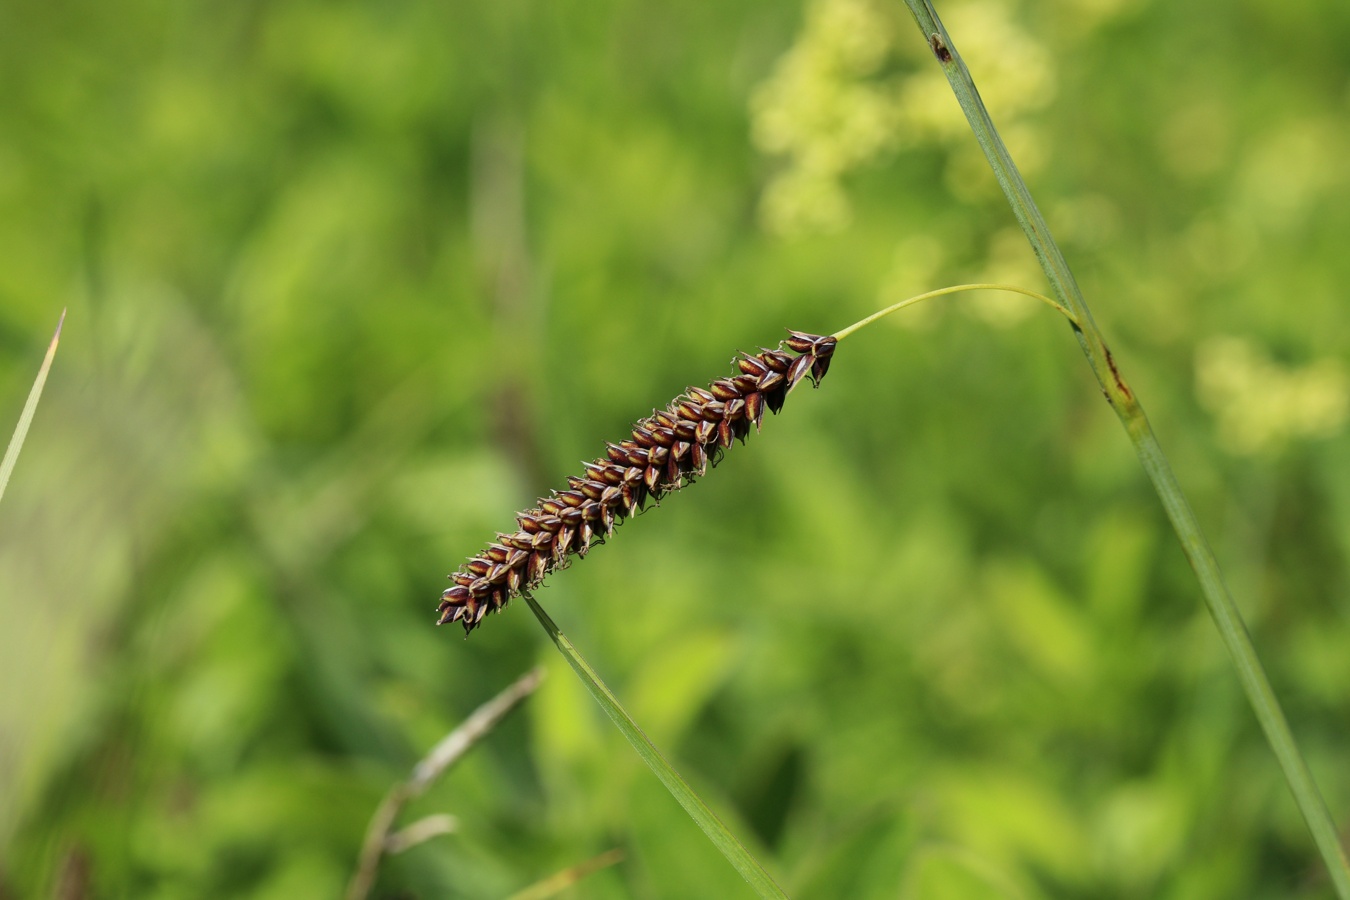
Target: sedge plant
674, 446
663, 453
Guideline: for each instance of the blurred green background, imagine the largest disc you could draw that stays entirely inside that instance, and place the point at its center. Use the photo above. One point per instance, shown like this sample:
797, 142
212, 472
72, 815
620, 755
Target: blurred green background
349, 283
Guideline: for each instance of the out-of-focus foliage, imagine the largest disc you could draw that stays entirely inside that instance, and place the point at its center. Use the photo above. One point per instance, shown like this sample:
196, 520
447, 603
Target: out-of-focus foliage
1262, 406
351, 282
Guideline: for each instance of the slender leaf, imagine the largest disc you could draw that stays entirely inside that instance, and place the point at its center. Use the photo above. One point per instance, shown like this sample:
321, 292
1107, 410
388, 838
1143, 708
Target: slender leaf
557, 883
29, 408
704, 817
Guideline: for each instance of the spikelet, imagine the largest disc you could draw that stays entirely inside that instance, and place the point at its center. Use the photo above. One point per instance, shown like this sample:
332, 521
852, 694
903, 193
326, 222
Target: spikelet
666, 451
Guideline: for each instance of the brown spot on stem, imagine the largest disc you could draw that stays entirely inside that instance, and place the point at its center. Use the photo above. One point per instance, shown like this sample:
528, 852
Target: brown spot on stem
939, 47
1115, 374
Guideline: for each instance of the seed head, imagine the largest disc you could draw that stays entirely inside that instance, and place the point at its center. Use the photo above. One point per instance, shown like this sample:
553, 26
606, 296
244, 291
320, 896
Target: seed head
666, 451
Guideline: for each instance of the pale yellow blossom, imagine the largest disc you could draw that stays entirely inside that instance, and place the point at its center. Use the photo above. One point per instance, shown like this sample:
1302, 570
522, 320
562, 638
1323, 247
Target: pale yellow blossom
1262, 406
858, 84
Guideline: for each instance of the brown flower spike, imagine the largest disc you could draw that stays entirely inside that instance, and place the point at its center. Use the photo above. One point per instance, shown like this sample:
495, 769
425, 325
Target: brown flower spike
664, 454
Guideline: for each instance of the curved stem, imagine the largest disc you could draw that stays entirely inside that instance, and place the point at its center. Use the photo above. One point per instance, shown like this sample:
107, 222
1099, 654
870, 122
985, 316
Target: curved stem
1218, 600
447, 752
954, 289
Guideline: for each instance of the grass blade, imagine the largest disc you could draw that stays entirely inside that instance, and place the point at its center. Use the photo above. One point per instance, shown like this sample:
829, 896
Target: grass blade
556, 884
29, 408
704, 817
1227, 618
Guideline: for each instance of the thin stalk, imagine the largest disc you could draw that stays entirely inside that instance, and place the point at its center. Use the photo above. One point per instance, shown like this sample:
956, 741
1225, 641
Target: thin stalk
942, 292
380, 839
556, 884
1218, 600
29, 408
704, 817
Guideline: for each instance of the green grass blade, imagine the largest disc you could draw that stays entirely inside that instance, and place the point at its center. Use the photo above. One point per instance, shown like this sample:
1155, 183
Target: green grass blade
556, 884
704, 817
1227, 618
29, 408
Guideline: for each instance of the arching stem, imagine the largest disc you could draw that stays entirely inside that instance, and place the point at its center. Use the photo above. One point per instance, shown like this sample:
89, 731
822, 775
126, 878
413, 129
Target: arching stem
954, 289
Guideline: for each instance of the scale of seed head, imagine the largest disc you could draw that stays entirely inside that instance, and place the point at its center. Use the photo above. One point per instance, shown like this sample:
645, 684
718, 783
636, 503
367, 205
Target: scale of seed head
665, 452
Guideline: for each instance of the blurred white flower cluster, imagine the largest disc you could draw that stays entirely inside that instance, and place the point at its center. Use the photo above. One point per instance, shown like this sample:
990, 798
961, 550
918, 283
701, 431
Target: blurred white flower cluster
1262, 406
852, 89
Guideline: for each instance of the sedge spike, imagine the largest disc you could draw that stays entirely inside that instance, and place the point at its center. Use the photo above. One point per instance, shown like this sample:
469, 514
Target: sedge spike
666, 451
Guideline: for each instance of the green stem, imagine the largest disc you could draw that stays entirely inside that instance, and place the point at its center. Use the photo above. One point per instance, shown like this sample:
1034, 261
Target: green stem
954, 289
704, 817
1217, 598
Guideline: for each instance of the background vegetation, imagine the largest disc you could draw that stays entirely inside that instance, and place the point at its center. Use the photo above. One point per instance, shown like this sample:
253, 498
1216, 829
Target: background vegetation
350, 283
